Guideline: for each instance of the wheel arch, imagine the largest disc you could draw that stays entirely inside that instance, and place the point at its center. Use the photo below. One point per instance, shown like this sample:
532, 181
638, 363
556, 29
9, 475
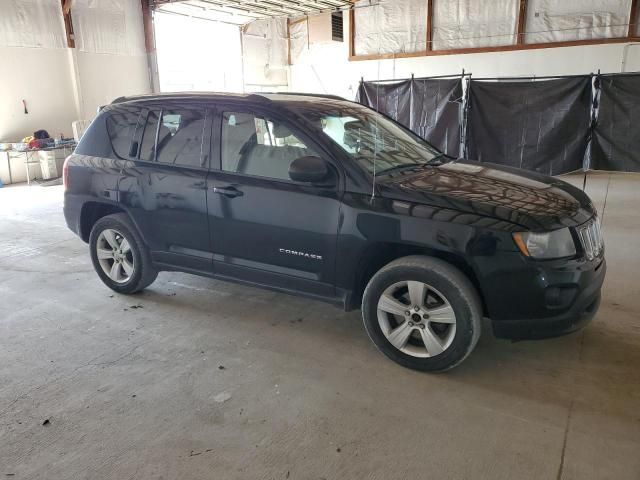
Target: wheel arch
379, 254
92, 211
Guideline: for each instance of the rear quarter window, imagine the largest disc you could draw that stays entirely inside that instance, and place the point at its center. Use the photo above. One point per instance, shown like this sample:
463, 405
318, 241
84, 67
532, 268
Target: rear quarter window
121, 126
111, 133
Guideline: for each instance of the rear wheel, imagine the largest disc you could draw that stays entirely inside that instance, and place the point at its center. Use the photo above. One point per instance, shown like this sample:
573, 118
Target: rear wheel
422, 313
119, 255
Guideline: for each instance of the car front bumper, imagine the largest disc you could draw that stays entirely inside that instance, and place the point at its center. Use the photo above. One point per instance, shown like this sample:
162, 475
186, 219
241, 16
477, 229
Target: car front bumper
582, 309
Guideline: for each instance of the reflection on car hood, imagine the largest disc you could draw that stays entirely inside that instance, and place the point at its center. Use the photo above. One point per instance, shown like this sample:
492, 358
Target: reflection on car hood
527, 199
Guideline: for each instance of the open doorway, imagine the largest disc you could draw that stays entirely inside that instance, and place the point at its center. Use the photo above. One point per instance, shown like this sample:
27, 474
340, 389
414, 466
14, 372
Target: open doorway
197, 54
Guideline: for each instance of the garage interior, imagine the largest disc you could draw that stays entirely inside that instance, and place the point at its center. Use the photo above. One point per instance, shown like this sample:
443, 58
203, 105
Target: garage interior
197, 378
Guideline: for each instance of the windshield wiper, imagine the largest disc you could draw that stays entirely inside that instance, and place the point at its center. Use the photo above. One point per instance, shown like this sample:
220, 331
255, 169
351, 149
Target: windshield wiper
435, 161
438, 159
399, 167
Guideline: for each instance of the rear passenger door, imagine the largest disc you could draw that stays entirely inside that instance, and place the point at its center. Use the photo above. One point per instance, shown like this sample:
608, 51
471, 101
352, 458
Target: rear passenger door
266, 228
164, 187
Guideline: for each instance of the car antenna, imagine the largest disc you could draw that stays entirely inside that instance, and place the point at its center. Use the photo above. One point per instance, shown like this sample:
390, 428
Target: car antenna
375, 142
375, 135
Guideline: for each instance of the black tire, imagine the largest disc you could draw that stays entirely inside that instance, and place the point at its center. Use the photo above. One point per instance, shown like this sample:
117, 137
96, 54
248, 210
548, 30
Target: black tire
452, 283
143, 271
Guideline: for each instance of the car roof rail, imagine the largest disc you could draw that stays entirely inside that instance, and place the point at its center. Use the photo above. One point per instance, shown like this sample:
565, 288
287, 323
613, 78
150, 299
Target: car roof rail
303, 94
183, 95
255, 96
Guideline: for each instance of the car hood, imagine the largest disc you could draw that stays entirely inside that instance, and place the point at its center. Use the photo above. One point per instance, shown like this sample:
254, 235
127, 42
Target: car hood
526, 199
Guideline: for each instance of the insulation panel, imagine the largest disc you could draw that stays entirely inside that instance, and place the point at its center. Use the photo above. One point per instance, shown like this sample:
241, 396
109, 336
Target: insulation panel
32, 23
108, 26
298, 36
265, 47
567, 20
389, 26
474, 23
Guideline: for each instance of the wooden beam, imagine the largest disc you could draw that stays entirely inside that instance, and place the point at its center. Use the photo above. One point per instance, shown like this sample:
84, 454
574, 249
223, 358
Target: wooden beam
522, 19
147, 24
429, 25
633, 17
66, 6
352, 34
68, 24
503, 48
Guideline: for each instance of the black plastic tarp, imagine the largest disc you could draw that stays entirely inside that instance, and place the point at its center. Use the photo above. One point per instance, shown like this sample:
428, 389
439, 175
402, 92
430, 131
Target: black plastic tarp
541, 125
436, 111
616, 141
392, 99
429, 107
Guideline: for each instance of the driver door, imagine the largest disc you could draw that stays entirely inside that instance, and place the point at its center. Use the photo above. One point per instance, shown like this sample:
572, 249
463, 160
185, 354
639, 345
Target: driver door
264, 227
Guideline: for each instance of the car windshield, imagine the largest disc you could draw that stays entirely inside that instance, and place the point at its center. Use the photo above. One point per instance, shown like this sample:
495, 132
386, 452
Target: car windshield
376, 143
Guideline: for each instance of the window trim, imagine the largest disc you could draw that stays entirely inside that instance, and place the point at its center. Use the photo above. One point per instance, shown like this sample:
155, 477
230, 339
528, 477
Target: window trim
520, 33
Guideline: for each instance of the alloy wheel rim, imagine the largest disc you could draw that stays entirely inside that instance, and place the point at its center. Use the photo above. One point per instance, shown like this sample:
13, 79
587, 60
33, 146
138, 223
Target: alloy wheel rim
416, 319
115, 255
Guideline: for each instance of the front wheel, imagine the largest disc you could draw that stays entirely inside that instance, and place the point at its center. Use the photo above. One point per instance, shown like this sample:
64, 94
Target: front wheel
422, 313
119, 256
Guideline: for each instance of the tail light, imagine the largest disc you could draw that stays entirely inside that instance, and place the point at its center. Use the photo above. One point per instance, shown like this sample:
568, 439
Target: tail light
65, 174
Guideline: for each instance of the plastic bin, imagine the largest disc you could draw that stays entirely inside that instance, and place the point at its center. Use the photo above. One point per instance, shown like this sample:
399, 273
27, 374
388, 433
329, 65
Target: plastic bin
48, 165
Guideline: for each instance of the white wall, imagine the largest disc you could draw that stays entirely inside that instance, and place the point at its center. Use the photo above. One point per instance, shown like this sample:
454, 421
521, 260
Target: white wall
105, 77
109, 59
40, 76
325, 68
59, 84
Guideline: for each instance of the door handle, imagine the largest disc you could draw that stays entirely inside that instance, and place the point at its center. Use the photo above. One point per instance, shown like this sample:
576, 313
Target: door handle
229, 192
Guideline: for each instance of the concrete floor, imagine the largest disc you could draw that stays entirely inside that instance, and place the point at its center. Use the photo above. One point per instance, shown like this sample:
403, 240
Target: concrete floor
212, 380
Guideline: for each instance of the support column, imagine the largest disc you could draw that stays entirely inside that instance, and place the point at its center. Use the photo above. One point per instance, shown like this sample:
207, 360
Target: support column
150, 46
73, 59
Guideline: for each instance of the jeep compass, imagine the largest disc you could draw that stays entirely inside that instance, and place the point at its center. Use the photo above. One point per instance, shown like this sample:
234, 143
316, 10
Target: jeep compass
322, 197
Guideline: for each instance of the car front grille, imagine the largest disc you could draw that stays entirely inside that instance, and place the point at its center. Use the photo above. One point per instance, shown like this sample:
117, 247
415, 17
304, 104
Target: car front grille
591, 238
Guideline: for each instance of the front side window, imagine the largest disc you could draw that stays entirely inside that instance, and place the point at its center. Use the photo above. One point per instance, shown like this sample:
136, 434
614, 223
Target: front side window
258, 146
375, 142
179, 135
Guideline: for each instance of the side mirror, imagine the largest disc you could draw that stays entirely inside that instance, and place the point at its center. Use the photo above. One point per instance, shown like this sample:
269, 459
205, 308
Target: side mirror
308, 169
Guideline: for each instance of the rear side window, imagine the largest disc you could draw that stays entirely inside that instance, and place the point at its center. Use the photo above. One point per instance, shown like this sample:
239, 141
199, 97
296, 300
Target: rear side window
180, 137
121, 124
173, 136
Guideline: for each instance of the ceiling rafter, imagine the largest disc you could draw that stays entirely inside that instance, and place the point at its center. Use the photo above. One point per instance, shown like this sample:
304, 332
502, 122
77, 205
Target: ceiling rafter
207, 5
294, 6
248, 8
254, 9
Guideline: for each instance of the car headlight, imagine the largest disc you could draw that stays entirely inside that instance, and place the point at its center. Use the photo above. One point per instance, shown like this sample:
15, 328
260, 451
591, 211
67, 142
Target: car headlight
556, 244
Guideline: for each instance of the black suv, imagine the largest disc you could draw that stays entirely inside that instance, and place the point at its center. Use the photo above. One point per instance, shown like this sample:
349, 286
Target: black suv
323, 197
